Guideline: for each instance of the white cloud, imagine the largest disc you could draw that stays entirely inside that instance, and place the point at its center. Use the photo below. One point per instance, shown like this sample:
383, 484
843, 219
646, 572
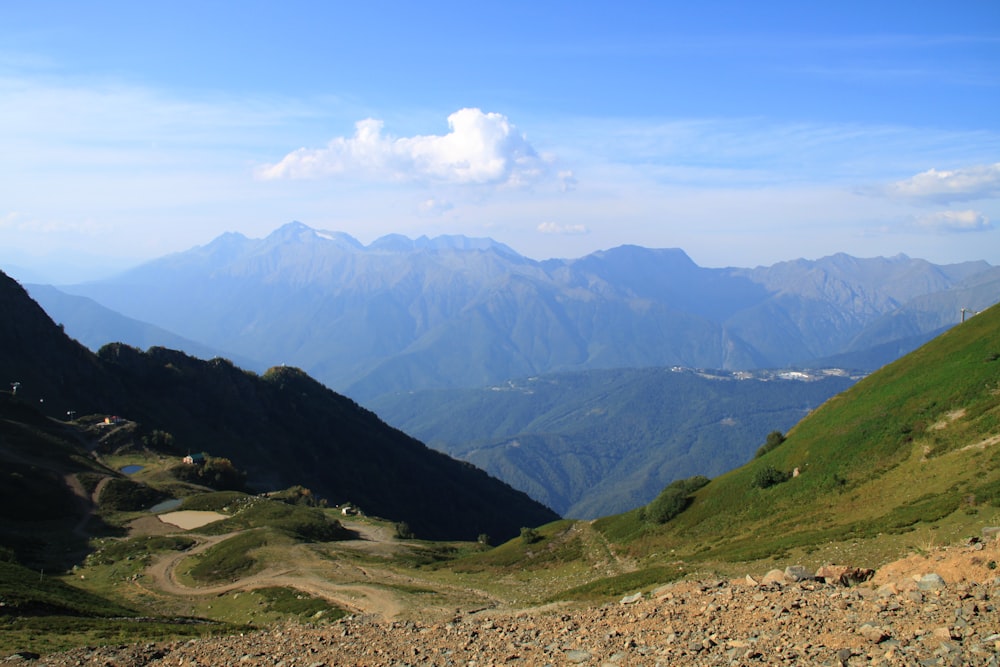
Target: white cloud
568, 180
554, 228
955, 221
433, 206
481, 148
976, 182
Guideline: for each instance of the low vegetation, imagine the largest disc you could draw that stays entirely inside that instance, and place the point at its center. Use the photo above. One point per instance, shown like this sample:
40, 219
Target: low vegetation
299, 522
672, 500
235, 557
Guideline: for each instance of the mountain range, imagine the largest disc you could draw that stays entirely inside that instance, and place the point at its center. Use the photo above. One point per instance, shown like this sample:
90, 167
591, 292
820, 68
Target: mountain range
281, 428
401, 314
906, 460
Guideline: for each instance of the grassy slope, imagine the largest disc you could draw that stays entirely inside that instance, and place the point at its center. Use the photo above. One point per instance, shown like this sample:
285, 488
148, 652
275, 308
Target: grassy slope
597, 442
912, 444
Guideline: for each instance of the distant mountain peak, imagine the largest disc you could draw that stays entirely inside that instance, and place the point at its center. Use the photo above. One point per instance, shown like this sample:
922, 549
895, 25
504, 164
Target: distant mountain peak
297, 232
400, 243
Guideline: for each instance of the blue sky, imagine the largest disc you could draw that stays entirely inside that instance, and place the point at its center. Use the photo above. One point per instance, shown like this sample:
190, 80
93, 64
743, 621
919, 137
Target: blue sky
744, 133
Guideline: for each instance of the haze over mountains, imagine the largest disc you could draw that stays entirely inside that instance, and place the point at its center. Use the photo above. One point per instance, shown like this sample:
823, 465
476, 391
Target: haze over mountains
593, 443
402, 314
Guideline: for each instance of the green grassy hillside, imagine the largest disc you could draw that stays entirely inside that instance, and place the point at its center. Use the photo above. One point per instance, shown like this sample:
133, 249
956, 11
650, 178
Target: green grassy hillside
593, 443
913, 448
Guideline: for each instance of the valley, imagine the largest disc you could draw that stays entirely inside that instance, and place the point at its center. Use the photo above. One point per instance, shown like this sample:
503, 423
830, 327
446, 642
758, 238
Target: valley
895, 475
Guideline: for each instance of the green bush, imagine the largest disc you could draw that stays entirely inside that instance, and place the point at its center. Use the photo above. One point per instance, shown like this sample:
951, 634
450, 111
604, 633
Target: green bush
673, 500
774, 438
530, 535
769, 476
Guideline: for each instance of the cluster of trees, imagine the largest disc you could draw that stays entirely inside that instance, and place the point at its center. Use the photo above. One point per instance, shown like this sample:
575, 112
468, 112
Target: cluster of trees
216, 472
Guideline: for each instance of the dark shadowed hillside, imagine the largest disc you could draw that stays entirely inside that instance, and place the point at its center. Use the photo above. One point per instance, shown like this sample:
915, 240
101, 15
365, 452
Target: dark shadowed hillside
283, 428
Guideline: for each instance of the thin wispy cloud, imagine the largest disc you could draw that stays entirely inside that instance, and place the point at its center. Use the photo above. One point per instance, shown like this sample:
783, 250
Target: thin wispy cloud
966, 184
434, 206
480, 148
954, 222
567, 230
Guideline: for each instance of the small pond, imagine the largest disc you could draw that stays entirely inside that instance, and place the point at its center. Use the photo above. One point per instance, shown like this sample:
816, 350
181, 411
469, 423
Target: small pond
131, 470
166, 505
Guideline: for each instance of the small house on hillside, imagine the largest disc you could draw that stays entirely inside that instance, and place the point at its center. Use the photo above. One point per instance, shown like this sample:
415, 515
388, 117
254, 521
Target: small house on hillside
195, 459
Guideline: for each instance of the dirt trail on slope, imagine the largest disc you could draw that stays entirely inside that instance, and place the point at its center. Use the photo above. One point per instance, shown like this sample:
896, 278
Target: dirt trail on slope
356, 597
342, 583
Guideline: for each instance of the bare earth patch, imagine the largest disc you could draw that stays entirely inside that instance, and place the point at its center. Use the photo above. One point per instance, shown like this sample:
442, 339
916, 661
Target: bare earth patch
191, 519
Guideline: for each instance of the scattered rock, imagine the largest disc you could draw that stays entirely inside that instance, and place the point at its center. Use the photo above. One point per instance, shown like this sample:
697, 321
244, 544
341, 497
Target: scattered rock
696, 624
855, 575
773, 577
794, 573
931, 582
873, 633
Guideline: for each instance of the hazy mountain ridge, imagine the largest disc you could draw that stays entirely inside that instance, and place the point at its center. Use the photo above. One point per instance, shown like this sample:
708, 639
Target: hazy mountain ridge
94, 325
404, 314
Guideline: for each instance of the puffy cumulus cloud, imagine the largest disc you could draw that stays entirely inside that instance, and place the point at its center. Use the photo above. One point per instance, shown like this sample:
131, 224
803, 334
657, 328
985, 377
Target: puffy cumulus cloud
976, 182
555, 228
955, 222
480, 148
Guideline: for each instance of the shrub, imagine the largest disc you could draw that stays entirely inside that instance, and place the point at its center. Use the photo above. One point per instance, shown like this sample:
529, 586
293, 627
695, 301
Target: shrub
769, 476
673, 500
403, 531
774, 438
530, 535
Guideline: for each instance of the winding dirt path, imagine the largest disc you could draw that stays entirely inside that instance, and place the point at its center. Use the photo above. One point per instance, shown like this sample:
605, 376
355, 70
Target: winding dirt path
87, 502
341, 583
356, 597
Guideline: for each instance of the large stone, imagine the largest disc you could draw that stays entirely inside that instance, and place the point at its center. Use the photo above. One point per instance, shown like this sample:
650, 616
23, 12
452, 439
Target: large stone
830, 573
632, 599
873, 633
931, 582
773, 577
798, 573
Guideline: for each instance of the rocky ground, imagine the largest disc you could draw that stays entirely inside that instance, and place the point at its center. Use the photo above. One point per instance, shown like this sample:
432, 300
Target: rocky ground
941, 608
